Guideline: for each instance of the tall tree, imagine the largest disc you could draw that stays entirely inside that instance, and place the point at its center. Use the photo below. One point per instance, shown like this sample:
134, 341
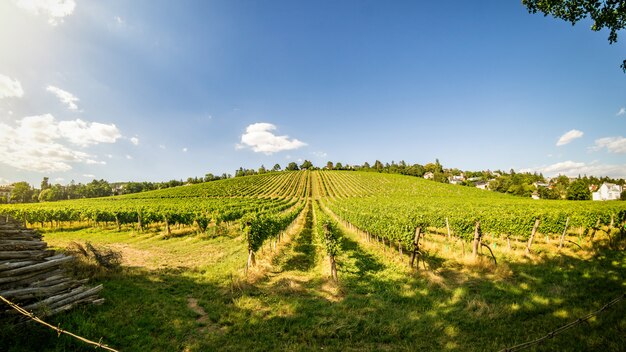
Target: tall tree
22, 192
609, 14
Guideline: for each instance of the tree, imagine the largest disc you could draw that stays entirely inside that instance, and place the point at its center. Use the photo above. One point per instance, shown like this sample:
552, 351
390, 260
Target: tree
329, 165
276, 167
45, 184
378, 166
22, 192
578, 190
338, 166
306, 165
622, 196
609, 14
292, 166
262, 169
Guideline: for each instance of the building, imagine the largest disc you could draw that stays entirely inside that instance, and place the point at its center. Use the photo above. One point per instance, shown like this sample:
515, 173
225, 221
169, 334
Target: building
608, 191
5, 192
481, 184
429, 175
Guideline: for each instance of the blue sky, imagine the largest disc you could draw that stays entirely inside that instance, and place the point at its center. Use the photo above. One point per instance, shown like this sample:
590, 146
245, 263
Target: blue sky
158, 90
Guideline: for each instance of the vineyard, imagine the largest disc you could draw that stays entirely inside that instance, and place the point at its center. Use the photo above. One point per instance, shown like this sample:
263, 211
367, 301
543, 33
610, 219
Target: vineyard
339, 260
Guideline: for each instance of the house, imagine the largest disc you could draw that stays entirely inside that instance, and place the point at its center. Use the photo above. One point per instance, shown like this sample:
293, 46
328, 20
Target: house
540, 184
535, 195
608, 191
429, 175
456, 180
481, 184
5, 191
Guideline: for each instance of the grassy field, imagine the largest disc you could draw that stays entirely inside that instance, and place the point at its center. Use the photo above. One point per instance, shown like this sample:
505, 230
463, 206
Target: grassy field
189, 293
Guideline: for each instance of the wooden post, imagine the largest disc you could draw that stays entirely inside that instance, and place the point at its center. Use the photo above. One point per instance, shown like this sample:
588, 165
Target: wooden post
448, 228
251, 259
532, 236
564, 232
416, 246
477, 235
333, 268
139, 225
167, 226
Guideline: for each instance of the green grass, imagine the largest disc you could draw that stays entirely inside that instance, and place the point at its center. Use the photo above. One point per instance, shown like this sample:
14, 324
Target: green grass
291, 303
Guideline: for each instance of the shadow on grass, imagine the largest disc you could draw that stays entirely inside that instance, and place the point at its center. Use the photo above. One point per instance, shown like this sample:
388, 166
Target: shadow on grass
380, 309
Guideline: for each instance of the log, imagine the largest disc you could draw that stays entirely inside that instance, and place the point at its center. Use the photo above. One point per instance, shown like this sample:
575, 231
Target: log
34, 292
90, 292
15, 264
25, 254
14, 245
54, 299
15, 281
36, 267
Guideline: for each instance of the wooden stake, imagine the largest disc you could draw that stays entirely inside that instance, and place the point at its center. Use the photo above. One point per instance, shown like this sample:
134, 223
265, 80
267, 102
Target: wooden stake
532, 236
416, 246
477, 235
564, 232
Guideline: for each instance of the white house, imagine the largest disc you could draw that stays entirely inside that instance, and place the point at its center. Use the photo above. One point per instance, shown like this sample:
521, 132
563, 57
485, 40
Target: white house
481, 184
5, 191
429, 175
608, 191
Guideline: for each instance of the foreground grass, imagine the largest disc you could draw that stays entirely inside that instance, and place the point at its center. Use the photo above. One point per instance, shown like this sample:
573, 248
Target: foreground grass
188, 294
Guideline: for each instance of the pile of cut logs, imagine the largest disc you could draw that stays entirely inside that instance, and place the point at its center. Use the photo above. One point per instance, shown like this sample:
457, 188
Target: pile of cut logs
33, 277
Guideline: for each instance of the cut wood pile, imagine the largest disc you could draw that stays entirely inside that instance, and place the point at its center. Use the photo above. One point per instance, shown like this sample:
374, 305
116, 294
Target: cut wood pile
33, 277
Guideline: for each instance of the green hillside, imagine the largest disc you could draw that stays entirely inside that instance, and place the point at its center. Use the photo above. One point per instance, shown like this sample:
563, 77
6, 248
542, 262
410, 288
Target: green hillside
247, 264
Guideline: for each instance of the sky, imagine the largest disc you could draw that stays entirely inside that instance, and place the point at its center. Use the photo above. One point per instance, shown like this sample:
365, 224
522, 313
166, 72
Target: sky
151, 90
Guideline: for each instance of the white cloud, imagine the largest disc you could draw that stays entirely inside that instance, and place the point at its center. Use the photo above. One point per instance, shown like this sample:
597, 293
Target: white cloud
319, 154
573, 169
134, 140
65, 97
612, 144
568, 137
10, 87
4, 181
38, 143
118, 20
185, 149
129, 157
56, 10
110, 156
93, 162
621, 111
89, 175
161, 146
85, 133
260, 138
59, 179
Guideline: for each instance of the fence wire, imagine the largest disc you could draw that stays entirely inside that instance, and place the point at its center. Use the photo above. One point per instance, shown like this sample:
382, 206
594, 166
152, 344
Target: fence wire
559, 330
57, 329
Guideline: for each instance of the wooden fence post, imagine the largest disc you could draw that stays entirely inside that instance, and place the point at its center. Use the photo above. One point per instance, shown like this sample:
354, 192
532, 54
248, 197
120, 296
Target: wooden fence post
416, 246
532, 236
477, 235
564, 232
